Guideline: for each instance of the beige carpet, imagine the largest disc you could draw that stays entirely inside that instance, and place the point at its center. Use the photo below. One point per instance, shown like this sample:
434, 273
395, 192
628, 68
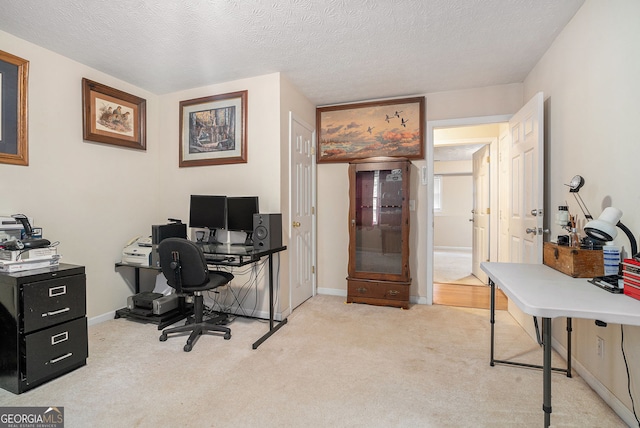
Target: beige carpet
332, 365
453, 266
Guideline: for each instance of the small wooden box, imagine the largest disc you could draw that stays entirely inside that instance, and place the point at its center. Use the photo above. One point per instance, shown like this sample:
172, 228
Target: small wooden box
572, 261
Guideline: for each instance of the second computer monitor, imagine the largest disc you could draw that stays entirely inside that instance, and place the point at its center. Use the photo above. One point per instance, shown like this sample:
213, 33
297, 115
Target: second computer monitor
240, 211
210, 212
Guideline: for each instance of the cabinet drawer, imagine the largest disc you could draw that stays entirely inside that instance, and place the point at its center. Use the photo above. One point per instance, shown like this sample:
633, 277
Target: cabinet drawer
379, 290
56, 349
46, 303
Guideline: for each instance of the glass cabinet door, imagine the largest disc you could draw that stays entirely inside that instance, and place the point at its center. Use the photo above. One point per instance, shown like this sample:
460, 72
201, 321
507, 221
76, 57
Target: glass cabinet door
379, 220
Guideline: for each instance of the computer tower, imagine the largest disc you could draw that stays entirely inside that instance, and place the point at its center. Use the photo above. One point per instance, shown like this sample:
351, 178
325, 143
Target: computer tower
163, 231
267, 231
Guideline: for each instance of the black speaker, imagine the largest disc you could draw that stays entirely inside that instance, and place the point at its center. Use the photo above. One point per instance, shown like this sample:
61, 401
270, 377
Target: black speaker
267, 231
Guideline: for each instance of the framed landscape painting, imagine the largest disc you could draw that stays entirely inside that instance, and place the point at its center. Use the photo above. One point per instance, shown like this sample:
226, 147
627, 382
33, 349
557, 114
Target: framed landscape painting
392, 128
213, 130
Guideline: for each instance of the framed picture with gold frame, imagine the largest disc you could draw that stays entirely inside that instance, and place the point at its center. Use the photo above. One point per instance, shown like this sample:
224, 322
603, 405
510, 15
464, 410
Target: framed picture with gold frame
112, 116
213, 130
14, 141
392, 128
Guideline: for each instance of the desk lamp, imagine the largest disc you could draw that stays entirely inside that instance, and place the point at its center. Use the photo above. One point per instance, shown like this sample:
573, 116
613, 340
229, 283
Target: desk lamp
604, 228
575, 185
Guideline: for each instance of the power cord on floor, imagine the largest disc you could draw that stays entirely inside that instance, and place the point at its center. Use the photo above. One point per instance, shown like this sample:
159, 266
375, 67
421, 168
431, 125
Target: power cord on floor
626, 365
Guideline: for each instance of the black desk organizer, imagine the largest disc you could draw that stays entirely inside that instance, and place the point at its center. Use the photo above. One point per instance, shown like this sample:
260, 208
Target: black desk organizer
608, 283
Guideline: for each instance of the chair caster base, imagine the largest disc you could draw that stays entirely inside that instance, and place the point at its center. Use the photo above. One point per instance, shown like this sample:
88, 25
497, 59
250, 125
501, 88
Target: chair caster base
163, 338
187, 347
227, 336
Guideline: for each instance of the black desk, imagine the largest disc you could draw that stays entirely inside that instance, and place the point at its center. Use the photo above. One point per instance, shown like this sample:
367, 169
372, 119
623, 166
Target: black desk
239, 255
217, 255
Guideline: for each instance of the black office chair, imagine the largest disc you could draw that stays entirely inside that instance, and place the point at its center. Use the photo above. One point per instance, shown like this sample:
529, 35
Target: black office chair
183, 264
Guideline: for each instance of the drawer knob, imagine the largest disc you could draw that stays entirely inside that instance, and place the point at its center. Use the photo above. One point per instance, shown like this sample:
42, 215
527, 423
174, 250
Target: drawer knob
393, 292
361, 290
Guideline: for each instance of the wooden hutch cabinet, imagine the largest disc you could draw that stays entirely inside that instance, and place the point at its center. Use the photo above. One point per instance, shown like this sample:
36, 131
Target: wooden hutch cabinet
379, 232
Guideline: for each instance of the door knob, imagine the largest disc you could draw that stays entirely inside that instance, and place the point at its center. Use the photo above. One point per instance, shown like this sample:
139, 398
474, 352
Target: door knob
296, 224
532, 230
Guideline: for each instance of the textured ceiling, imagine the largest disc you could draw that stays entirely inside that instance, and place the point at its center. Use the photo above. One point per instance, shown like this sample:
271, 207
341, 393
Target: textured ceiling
333, 50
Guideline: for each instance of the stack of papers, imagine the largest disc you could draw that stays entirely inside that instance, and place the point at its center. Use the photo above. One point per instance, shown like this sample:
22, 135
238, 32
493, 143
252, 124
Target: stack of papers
8, 266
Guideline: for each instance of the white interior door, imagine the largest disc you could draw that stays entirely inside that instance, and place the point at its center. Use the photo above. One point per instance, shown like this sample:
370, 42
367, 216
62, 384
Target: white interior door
527, 182
481, 212
503, 195
302, 227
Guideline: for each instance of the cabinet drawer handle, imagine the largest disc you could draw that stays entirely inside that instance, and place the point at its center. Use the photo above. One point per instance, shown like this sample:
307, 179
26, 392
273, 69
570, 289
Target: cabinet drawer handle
58, 312
59, 338
57, 291
361, 290
64, 357
393, 292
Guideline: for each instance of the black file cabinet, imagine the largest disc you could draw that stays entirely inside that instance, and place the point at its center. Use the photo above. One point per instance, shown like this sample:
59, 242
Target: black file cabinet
43, 325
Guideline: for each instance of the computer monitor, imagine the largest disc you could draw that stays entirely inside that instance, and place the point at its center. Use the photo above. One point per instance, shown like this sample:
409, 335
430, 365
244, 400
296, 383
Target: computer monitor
240, 211
210, 212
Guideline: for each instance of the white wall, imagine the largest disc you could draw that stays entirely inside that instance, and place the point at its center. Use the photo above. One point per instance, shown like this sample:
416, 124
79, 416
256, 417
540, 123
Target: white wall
91, 197
333, 189
451, 225
589, 77
260, 176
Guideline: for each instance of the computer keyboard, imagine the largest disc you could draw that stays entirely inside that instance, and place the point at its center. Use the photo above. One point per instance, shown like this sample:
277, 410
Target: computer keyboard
214, 257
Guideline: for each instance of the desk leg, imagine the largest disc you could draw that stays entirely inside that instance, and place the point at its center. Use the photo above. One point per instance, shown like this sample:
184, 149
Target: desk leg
272, 329
137, 280
492, 317
546, 371
569, 329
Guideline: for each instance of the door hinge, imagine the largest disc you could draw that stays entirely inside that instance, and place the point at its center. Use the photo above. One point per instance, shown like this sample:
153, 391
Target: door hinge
313, 270
488, 159
313, 150
313, 210
488, 210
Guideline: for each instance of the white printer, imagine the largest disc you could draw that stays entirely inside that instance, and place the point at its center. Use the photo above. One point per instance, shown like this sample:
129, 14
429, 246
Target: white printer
138, 252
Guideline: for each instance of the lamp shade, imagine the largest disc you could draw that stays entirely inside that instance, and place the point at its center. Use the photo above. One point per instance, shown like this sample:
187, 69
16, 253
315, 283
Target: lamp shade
604, 227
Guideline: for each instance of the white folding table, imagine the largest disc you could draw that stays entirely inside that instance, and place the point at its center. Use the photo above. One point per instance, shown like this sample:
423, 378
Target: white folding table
541, 291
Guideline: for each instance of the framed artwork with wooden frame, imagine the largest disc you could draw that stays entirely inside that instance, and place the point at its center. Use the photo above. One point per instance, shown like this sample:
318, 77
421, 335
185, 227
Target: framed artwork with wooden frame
392, 128
213, 130
14, 141
112, 116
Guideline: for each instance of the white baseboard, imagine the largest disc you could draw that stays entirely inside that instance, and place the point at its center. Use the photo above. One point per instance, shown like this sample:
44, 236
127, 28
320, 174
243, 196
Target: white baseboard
343, 293
445, 248
101, 318
332, 292
418, 300
621, 410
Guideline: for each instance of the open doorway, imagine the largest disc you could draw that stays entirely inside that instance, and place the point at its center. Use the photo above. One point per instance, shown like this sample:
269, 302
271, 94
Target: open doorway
465, 200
